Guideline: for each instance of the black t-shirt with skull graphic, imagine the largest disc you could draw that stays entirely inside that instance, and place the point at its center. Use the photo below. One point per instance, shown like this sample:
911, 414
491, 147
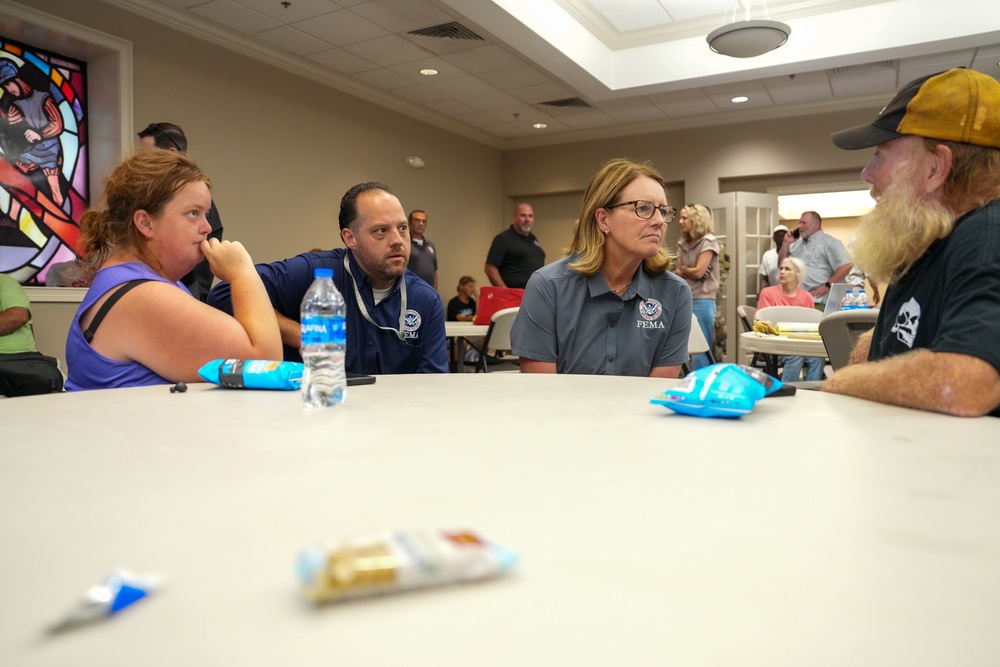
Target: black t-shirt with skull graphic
949, 301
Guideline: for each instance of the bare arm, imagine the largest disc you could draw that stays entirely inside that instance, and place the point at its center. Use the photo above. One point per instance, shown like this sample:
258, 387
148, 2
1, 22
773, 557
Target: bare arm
698, 271
764, 282
665, 372
291, 331
955, 384
859, 354
493, 273
173, 334
786, 245
837, 277
532, 366
12, 319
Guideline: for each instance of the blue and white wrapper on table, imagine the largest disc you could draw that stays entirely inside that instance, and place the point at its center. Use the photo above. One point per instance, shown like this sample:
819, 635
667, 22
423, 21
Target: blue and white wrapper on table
253, 374
719, 390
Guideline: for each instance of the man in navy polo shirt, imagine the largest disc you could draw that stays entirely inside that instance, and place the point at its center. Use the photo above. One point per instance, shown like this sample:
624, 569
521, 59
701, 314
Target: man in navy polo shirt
395, 320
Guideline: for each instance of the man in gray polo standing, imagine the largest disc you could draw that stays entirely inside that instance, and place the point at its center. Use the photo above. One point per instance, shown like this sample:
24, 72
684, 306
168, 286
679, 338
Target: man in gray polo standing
825, 258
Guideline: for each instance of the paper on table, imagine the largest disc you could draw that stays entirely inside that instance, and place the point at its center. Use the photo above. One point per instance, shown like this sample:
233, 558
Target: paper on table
798, 327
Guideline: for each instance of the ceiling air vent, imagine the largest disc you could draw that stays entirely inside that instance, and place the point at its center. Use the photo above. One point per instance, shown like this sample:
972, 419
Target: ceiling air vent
573, 102
867, 68
453, 30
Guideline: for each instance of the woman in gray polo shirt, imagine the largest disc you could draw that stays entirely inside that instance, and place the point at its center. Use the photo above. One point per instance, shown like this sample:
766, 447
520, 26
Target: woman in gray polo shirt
612, 307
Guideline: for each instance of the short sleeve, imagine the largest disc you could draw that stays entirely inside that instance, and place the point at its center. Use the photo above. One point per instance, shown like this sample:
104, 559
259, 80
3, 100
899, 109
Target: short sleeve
534, 333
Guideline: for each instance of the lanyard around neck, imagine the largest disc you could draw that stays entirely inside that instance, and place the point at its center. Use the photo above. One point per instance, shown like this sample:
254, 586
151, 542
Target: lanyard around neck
400, 333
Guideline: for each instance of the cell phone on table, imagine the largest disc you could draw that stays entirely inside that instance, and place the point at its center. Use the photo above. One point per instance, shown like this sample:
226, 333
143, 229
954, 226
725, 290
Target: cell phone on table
354, 379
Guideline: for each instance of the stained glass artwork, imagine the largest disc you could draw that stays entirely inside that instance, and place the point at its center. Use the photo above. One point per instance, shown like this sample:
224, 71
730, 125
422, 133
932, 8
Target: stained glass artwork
44, 169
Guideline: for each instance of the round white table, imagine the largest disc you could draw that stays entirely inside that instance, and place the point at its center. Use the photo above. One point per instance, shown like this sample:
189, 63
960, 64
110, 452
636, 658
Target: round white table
774, 346
818, 529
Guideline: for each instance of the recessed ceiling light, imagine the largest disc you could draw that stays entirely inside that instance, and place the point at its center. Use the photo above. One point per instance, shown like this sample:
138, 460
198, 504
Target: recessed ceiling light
429, 71
740, 99
539, 126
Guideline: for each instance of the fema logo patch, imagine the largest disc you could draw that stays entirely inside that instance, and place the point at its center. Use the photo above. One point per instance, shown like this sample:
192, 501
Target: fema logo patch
650, 309
411, 321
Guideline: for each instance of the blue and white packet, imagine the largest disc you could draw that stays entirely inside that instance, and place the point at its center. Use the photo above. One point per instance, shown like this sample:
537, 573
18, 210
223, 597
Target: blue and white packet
719, 390
253, 374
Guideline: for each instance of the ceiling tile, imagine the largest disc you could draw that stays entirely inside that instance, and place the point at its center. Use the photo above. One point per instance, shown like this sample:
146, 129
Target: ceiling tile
808, 87
293, 40
462, 87
295, 11
683, 103
483, 59
684, 10
864, 83
639, 15
341, 28
591, 118
411, 70
495, 100
235, 16
390, 50
421, 94
542, 92
450, 107
914, 68
402, 15
383, 78
343, 61
635, 112
515, 77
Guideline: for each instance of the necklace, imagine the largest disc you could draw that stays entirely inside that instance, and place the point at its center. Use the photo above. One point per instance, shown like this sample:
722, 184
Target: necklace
620, 290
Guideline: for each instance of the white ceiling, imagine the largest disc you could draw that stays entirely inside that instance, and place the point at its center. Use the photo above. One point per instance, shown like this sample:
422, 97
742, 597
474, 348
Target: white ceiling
632, 65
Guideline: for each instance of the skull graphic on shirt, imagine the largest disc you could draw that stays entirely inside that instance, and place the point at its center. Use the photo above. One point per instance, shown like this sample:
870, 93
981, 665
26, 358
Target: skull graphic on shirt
907, 322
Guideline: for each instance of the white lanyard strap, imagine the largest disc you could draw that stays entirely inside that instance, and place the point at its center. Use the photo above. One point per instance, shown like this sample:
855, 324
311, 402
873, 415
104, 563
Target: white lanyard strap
364, 311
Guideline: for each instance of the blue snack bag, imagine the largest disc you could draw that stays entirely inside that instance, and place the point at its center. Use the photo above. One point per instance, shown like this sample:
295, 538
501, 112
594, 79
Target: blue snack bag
719, 390
253, 374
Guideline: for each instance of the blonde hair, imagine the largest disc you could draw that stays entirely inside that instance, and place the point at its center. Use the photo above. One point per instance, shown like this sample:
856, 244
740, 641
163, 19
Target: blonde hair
145, 181
701, 222
604, 188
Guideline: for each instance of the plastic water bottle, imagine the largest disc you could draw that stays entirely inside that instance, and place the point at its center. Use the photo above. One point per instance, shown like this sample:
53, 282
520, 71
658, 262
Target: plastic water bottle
848, 303
324, 343
861, 301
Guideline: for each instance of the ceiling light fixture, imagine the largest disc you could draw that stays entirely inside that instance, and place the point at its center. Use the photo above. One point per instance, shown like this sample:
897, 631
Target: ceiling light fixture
746, 38
740, 99
539, 126
414, 162
429, 71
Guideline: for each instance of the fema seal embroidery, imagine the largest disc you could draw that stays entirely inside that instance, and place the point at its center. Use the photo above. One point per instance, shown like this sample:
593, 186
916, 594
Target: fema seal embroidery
411, 322
650, 309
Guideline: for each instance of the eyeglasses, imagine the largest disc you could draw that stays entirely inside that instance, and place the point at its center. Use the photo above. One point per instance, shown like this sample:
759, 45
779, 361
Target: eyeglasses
645, 209
153, 127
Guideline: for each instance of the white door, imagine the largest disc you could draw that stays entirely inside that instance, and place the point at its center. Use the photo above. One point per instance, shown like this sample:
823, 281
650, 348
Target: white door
743, 223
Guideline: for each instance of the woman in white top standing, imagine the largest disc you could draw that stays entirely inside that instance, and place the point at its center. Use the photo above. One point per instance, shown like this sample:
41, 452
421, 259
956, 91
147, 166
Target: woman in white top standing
698, 264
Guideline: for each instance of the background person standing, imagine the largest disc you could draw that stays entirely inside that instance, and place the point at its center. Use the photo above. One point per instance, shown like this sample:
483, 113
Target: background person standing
515, 254
423, 253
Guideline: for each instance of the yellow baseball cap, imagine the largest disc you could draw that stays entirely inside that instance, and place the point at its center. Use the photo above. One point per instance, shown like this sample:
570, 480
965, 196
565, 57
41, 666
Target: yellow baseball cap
960, 105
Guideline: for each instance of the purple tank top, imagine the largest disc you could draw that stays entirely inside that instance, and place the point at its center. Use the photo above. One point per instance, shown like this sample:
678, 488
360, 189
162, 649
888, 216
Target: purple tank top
88, 368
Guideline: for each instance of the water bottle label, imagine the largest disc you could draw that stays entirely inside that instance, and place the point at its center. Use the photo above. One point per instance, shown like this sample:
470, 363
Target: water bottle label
322, 330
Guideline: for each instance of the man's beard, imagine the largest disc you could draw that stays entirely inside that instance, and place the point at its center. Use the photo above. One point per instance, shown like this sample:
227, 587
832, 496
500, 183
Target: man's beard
893, 235
376, 268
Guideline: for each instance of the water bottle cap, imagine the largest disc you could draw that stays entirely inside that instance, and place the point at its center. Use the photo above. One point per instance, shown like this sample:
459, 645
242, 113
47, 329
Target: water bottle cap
323, 273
